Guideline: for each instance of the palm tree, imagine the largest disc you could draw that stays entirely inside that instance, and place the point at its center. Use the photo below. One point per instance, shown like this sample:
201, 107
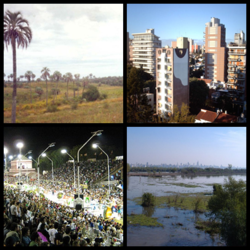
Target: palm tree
68, 78
57, 76
46, 74
77, 77
15, 30
11, 76
28, 75
33, 76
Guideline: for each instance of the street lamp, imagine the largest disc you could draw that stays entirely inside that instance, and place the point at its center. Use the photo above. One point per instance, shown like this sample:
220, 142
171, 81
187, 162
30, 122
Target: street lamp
96, 133
63, 151
50, 145
97, 146
29, 152
19, 145
43, 155
30, 157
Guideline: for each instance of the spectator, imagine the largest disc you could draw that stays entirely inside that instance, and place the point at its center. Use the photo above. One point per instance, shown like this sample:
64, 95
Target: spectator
14, 230
26, 236
52, 233
35, 240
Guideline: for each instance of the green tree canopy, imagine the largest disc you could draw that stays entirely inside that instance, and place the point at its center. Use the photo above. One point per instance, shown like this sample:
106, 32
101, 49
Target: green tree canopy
198, 94
228, 204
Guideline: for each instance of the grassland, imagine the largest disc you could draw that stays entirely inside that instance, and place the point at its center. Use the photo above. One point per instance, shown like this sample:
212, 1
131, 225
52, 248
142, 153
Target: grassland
32, 109
182, 201
143, 220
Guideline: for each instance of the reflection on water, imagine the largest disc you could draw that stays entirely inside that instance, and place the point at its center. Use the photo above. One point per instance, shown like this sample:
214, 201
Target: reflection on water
173, 233
148, 211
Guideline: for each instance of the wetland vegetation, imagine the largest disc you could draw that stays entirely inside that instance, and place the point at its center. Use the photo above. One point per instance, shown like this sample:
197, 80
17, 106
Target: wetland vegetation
192, 215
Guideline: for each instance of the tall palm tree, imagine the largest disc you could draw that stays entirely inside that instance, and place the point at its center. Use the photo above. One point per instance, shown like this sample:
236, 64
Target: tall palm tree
28, 75
77, 77
57, 76
16, 29
45, 74
33, 76
68, 78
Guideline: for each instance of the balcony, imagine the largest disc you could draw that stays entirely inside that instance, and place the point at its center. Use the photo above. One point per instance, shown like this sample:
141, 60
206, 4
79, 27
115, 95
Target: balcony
242, 53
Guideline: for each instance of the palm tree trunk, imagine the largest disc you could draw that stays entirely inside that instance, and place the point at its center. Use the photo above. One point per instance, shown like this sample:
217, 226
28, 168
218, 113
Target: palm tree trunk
13, 112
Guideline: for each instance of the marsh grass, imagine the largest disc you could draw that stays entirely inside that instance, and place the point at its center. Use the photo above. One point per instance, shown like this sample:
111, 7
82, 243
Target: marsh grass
182, 201
143, 220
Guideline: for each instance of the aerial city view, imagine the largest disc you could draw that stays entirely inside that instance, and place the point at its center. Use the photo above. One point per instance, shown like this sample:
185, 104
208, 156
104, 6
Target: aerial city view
186, 63
63, 63
186, 186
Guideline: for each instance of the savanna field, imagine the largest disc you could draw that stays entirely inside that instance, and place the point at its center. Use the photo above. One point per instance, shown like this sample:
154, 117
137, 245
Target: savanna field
31, 106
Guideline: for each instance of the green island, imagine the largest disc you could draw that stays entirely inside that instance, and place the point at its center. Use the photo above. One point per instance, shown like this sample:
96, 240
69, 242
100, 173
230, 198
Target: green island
182, 201
143, 220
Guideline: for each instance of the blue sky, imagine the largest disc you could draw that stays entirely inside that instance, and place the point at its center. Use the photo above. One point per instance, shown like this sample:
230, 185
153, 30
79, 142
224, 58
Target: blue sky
188, 20
172, 145
75, 38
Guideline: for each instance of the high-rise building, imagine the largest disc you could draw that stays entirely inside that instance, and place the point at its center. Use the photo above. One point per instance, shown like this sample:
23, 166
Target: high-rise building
216, 51
144, 46
237, 67
239, 38
172, 79
182, 43
191, 42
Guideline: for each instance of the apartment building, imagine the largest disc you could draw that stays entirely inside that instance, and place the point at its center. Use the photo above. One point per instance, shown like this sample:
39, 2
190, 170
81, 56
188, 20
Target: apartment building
144, 46
237, 67
172, 79
216, 51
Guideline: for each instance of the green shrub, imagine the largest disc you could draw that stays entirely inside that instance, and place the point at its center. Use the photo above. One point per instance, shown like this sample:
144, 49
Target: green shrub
52, 108
74, 105
148, 199
91, 94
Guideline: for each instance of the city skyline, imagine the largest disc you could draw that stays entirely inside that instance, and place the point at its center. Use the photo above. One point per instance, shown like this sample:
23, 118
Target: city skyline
207, 145
75, 38
165, 20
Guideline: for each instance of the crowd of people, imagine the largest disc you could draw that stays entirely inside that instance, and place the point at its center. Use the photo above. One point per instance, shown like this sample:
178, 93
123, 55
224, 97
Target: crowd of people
30, 220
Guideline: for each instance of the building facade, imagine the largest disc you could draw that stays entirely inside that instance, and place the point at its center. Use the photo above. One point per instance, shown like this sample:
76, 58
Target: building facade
172, 79
237, 67
144, 46
216, 51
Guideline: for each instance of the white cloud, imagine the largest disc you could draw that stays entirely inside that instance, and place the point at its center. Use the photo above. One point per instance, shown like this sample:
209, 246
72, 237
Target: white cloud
68, 36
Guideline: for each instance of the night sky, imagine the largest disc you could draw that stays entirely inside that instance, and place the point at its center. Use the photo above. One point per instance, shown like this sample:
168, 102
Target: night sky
38, 137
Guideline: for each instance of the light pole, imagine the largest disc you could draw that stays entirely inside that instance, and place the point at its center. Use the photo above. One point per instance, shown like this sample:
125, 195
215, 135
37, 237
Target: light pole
30, 157
5, 160
10, 157
43, 155
63, 151
19, 145
96, 133
97, 146
50, 145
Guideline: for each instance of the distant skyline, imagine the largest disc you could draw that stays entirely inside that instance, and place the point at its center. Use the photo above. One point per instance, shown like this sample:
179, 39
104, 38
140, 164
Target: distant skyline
169, 145
184, 20
75, 38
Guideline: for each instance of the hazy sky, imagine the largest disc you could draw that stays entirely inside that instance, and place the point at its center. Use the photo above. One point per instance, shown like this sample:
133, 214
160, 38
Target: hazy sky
75, 38
172, 145
188, 20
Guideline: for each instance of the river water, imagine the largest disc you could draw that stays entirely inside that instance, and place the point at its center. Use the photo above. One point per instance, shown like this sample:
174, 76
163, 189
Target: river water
171, 234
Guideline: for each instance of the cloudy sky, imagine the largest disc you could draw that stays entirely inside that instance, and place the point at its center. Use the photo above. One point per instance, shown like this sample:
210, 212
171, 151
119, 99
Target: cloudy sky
75, 38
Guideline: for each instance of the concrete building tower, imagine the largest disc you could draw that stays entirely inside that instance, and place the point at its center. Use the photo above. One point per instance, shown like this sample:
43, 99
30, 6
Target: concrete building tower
144, 45
216, 51
172, 79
